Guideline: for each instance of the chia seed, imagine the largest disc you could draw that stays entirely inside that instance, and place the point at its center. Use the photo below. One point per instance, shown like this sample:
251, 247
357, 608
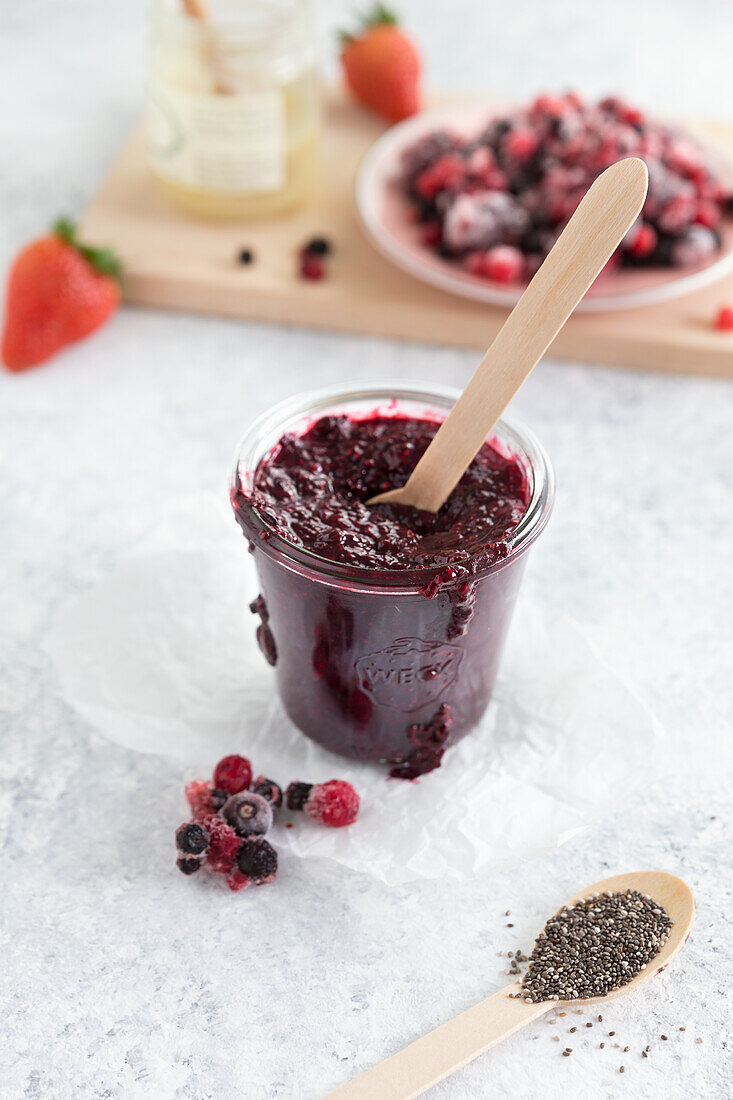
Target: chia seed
595, 946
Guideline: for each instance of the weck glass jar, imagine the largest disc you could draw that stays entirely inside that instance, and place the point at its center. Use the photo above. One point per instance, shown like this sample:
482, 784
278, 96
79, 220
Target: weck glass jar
371, 663
233, 111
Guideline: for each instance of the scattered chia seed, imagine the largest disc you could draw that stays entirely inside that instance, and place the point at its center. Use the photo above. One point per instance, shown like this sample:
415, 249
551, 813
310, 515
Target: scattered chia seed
600, 1019
595, 946
245, 256
602, 1045
665, 1037
683, 1029
626, 1050
589, 1024
621, 1069
510, 926
647, 1048
644, 1054
508, 913
612, 1033
566, 1054
572, 1029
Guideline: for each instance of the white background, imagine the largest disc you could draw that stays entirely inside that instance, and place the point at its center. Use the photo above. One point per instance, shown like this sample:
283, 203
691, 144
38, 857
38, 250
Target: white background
121, 978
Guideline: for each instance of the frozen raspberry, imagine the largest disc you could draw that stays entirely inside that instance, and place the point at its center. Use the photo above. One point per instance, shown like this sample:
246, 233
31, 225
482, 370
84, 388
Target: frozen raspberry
724, 319
708, 214
189, 865
504, 264
269, 790
257, 860
549, 105
233, 774
296, 795
204, 797
443, 174
521, 144
677, 213
223, 843
643, 242
236, 881
334, 803
248, 814
311, 267
192, 839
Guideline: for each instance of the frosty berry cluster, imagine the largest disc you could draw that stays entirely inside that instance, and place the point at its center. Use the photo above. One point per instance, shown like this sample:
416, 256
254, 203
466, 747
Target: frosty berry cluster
497, 201
232, 813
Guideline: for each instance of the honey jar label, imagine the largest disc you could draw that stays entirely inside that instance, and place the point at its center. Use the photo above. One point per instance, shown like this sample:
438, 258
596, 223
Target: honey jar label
218, 142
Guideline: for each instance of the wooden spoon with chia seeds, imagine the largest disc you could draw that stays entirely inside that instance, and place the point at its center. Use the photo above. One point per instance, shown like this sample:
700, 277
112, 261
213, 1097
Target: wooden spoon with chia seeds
433, 1057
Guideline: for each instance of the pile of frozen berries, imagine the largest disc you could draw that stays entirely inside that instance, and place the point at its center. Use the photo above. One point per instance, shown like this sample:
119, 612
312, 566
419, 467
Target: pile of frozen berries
232, 813
498, 201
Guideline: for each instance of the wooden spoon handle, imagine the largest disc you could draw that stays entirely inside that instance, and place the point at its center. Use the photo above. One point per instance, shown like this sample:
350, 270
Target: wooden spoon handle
588, 241
431, 1058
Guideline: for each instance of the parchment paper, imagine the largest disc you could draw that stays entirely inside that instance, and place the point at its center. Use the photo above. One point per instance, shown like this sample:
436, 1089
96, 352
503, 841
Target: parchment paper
161, 658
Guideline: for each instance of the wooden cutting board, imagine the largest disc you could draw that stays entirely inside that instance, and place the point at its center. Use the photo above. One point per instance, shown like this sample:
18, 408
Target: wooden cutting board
171, 260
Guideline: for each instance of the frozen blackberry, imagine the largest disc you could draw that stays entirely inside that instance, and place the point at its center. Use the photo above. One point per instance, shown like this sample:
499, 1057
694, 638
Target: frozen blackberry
270, 791
189, 864
192, 839
249, 814
257, 860
296, 795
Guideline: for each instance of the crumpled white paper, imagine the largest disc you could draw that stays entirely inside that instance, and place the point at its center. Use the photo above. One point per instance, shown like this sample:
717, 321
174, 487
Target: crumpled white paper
161, 658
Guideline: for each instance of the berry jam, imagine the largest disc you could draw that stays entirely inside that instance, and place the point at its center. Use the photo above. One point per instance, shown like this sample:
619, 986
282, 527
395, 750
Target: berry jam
384, 624
312, 491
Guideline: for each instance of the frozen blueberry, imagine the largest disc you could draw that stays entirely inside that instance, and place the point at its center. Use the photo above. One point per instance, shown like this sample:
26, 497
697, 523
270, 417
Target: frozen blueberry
192, 839
318, 246
270, 791
188, 864
249, 814
257, 860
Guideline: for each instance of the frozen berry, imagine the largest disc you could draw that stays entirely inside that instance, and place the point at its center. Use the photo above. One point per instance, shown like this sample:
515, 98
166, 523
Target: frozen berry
521, 144
248, 814
296, 794
223, 843
724, 319
335, 803
192, 839
311, 267
318, 246
246, 256
236, 881
188, 864
233, 774
643, 241
257, 860
203, 797
504, 264
269, 790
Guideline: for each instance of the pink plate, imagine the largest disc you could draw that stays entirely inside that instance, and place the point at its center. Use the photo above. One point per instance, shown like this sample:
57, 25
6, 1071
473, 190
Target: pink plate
387, 220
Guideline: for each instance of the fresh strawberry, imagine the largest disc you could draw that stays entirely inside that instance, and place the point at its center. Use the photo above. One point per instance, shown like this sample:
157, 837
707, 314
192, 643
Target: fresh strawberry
382, 66
58, 291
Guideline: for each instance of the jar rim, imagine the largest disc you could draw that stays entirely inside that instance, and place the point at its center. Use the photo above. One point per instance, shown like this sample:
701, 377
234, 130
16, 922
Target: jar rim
268, 428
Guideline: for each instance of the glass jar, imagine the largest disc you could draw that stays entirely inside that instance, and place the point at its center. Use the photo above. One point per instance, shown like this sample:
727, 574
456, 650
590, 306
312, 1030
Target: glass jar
233, 106
367, 664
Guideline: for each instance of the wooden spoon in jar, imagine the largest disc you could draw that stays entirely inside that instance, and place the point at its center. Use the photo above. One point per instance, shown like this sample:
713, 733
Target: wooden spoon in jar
433, 1057
604, 216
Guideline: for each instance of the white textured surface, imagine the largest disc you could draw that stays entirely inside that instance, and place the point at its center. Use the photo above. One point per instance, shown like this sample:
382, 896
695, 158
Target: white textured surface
123, 979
